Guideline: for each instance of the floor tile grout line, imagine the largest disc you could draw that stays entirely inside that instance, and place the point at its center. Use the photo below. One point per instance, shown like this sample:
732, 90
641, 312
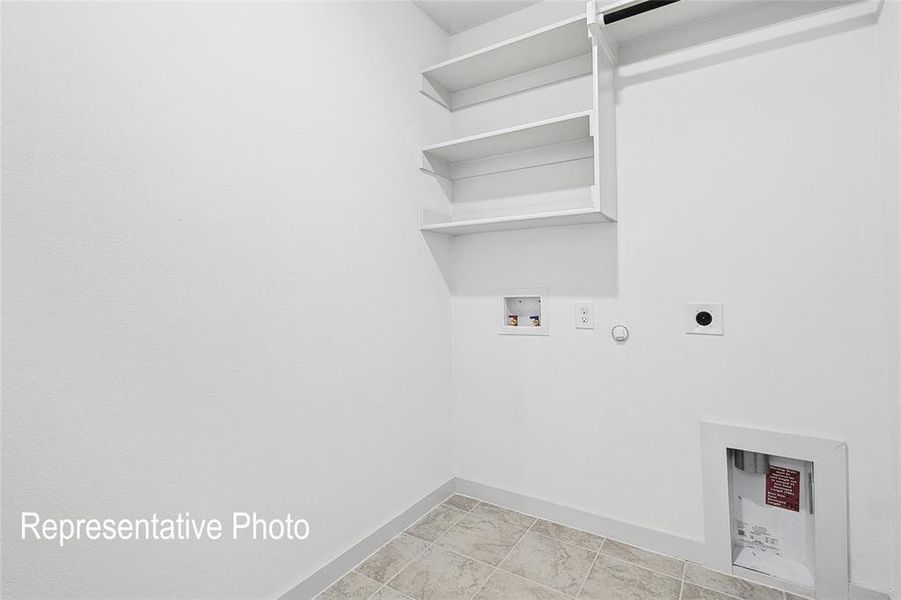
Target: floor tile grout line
538, 583
354, 570
513, 547
435, 543
535, 519
590, 568
548, 537
384, 587
469, 558
454, 524
533, 582
460, 554
377, 550
428, 543
667, 556
406, 564
727, 595
635, 564
405, 531
529, 530
784, 593
604, 539
467, 511
598, 535
376, 592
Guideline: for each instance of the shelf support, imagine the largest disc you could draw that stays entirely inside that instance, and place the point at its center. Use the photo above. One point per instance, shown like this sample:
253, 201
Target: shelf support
596, 31
603, 124
435, 166
432, 90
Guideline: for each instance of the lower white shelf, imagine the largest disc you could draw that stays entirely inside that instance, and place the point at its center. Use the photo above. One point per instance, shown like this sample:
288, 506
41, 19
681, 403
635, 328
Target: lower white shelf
545, 219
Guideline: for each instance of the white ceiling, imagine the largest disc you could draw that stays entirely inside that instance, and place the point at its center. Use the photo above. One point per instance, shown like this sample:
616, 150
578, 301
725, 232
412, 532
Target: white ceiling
454, 16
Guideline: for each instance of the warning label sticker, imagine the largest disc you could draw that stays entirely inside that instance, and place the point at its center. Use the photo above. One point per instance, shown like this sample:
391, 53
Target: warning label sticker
783, 488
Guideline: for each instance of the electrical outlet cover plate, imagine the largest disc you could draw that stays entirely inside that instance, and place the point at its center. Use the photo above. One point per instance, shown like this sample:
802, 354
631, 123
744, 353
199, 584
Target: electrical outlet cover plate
691, 318
585, 315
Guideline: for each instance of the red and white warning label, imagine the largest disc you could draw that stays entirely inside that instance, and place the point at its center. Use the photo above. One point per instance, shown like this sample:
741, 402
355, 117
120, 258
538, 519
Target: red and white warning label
783, 488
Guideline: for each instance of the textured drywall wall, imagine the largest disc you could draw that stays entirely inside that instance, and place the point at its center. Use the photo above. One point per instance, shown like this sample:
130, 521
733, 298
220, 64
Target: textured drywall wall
215, 294
889, 39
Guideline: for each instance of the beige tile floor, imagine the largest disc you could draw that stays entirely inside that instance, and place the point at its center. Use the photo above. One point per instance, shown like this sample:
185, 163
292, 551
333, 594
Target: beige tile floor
465, 549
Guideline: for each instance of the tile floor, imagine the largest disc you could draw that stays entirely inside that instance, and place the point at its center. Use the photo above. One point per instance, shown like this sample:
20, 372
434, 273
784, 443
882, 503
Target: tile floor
465, 549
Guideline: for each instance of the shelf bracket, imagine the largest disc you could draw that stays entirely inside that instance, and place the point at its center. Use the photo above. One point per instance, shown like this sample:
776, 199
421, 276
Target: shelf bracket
596, 31
435, 166
432, 90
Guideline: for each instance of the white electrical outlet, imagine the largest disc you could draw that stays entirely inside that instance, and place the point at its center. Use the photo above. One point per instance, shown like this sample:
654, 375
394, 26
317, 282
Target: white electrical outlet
584, 315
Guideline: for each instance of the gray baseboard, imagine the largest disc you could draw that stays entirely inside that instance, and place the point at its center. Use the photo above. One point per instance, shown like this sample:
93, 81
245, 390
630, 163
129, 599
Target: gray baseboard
324, 577
636, 535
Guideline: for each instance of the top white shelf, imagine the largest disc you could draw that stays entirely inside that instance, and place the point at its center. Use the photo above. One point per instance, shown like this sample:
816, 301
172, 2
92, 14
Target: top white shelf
562, 51
553, 53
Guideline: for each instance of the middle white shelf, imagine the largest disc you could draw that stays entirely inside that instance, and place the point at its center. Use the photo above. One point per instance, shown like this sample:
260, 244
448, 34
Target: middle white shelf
531, 175
532, 144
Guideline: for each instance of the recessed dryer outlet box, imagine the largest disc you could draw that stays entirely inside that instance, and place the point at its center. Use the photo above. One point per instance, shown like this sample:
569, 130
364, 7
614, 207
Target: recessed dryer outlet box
773, 523
704, 318
522, 312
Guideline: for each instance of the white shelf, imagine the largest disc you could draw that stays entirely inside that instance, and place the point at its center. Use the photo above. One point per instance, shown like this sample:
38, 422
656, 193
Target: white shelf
558, 148
562, 171
554, 53
547, 219
546, 137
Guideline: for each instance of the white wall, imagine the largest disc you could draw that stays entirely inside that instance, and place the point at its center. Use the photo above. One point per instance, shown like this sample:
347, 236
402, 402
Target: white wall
750, 178
215, 293
889, 39
196, 197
